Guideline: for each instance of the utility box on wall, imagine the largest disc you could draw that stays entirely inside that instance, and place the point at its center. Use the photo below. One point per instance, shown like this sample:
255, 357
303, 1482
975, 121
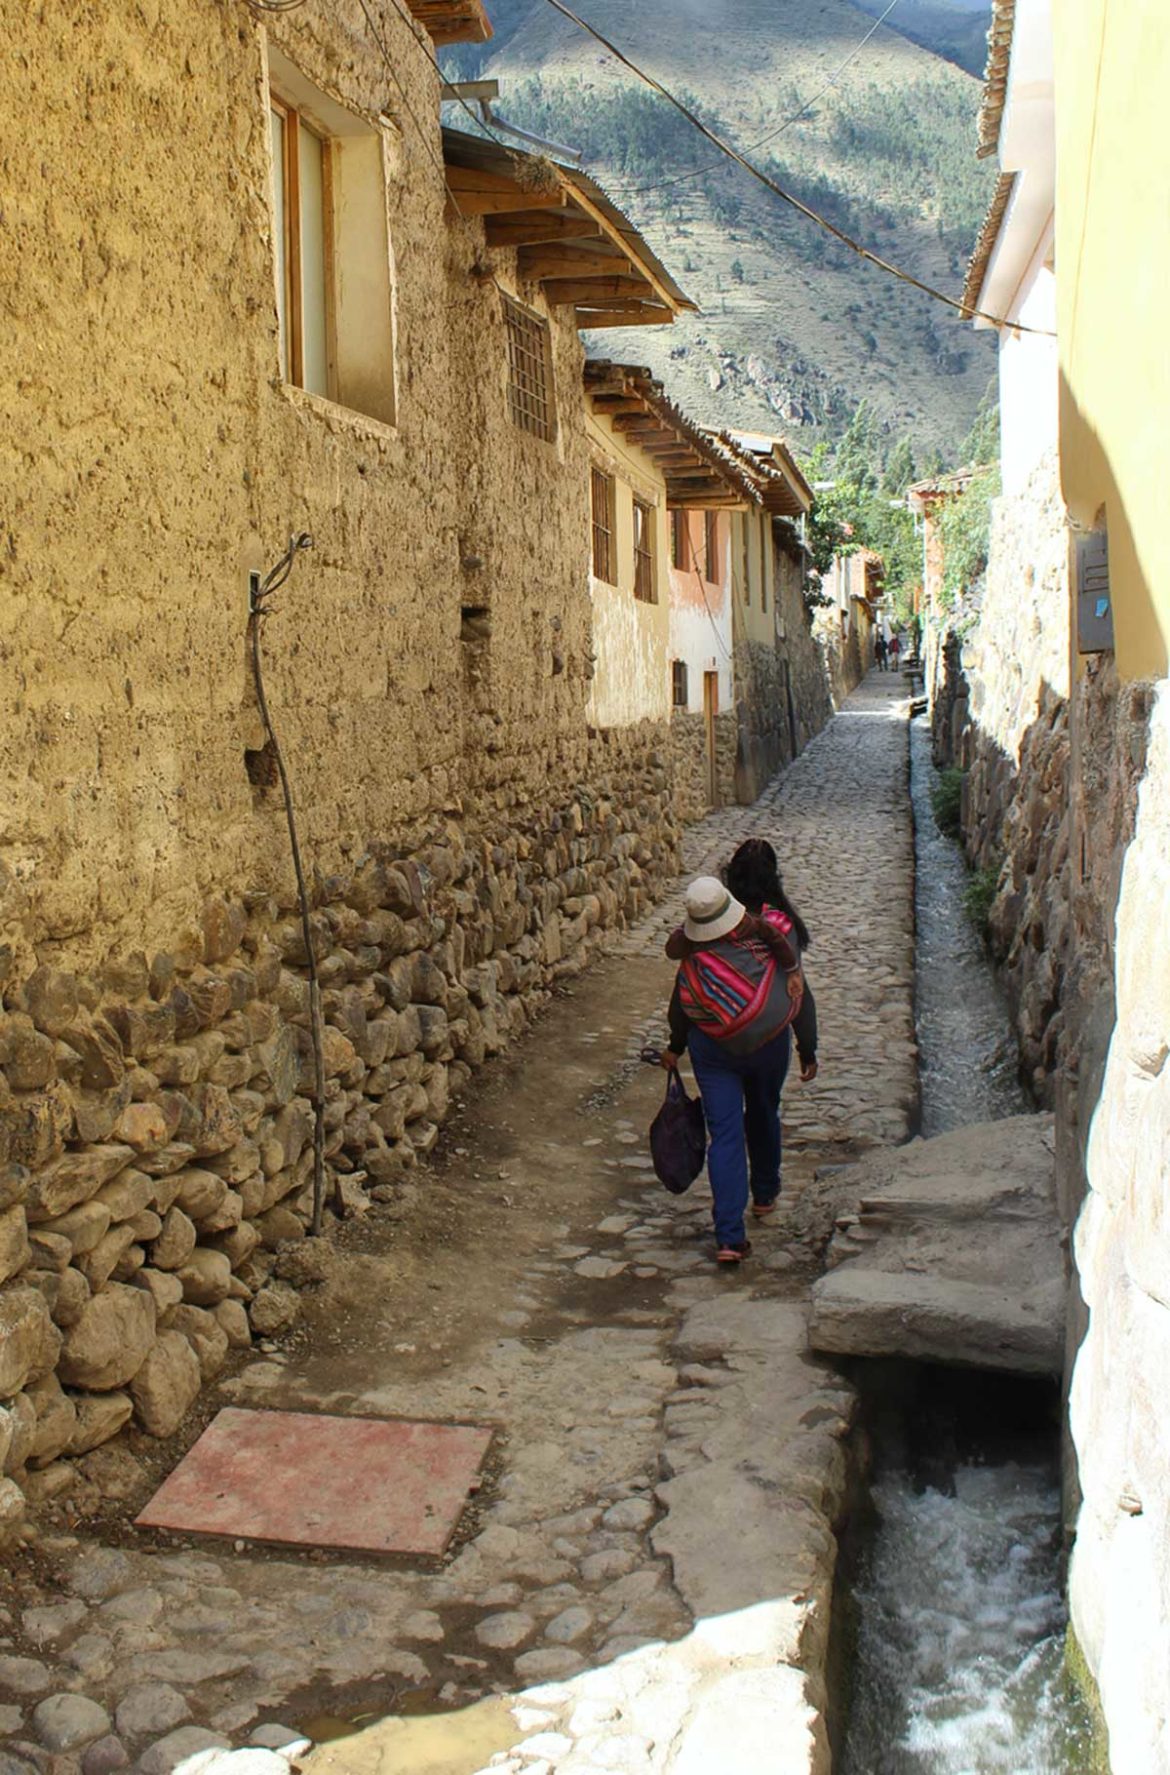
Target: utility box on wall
1094, 600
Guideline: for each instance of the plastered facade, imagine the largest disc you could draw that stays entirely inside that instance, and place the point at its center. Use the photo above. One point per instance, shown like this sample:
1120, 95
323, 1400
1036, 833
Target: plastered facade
631, 636
155, 457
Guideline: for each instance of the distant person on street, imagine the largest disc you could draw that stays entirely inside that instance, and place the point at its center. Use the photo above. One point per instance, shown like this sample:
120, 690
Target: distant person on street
737, 989
879, 652
894, 653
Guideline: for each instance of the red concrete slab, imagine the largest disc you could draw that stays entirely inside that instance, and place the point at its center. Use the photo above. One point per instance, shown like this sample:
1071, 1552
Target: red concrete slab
376, 1485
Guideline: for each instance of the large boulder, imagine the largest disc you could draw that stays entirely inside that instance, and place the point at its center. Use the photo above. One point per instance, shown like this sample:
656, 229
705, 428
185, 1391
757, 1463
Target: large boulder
110, 1340
953, 1255
73, 1178
166, 1385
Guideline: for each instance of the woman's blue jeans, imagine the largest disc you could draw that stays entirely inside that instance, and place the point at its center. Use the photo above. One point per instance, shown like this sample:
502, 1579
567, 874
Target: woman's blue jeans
741, 1101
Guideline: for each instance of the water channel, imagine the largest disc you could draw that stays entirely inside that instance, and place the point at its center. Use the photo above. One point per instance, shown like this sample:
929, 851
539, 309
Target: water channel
956, 1634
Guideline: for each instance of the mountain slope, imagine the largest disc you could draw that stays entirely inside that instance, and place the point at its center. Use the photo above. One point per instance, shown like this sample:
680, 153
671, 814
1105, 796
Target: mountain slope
795, 329
954, 29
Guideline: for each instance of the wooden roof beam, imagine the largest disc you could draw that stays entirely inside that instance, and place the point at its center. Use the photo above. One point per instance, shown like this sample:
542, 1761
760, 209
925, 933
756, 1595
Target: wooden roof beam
641, 314
537, 229
569, 261
564, 292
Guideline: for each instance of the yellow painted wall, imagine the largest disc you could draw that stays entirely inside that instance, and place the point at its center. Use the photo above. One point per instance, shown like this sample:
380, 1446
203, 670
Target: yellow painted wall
753, 576
631, 638
1113, 271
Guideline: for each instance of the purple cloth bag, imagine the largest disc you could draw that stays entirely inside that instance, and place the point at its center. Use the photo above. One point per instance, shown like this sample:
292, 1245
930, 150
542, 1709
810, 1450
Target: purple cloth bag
678, 1138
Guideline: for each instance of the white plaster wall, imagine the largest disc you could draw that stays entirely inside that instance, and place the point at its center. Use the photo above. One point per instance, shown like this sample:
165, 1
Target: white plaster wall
1120, 1401
1028, 384
700, 628
705, 645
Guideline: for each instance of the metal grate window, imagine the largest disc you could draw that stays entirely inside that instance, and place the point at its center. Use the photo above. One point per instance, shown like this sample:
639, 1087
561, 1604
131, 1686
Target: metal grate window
530, 395
602, 488
679, 695
644, 552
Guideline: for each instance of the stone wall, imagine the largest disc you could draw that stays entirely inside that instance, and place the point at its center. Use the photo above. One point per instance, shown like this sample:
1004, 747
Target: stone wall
808, 684
1067, 800
1000, 712
155, 1119
1114, 1115
688, 763
765, 741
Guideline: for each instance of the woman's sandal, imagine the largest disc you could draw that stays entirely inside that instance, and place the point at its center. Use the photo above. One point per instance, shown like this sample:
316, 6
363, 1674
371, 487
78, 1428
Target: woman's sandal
761, 1210
733, 1254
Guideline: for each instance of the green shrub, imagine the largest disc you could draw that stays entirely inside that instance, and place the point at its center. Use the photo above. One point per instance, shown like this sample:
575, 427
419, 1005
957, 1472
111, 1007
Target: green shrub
978, 894
946, 798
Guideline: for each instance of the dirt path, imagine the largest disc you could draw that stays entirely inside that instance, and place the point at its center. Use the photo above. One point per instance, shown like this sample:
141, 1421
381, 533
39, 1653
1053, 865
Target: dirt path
650, 1562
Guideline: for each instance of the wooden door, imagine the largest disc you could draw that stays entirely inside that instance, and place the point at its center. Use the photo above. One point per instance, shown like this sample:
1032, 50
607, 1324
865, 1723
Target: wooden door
710, 710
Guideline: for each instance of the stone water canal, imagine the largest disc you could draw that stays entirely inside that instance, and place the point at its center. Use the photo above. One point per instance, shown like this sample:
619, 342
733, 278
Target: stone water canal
959, 1620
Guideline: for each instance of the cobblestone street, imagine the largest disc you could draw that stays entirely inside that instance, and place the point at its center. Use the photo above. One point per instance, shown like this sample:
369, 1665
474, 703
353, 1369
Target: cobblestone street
644, 1582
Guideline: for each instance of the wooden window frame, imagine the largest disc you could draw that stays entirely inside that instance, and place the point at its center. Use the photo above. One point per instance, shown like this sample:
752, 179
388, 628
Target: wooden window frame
711, 547
678, 683
678, 538
289, 222
645, 589
603, 486
531, 388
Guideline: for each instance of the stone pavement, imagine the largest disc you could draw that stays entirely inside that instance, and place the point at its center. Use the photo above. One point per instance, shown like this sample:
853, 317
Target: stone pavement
644, 1584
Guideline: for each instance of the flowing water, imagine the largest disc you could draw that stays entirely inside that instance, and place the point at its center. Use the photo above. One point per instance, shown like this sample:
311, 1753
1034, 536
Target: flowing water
957, 1666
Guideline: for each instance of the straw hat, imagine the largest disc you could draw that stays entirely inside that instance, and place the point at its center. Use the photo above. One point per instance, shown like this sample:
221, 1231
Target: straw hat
711, 911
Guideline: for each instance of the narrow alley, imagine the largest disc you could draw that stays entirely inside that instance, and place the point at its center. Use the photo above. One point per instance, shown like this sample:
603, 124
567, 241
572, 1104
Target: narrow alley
649, 1566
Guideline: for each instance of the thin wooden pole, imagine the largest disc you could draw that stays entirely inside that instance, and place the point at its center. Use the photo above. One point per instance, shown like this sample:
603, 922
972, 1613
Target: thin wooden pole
258, 609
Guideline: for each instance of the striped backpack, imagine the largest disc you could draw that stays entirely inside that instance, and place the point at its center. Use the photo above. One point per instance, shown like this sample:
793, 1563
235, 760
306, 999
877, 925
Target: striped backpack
736, 992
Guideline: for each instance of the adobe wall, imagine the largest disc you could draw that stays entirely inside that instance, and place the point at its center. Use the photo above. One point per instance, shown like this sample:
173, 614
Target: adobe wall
156, 457
468, 837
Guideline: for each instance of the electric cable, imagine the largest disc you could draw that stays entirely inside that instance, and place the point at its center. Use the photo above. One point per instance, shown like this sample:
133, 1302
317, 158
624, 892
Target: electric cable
698, 171
788, 197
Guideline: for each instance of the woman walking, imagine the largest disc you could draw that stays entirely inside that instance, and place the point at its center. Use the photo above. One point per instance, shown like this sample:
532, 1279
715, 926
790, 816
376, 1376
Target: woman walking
737, 989
753, 876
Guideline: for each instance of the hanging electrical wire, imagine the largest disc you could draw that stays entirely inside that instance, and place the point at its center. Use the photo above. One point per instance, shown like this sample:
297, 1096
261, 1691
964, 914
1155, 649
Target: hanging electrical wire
698, 172
725, 147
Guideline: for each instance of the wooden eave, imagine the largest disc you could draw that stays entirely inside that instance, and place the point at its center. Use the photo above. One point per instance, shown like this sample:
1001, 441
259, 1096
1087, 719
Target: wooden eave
697, 472
784, 492
452, 21
566, 234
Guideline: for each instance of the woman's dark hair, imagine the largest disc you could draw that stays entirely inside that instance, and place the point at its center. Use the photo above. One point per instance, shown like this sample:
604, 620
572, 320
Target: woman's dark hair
753, 876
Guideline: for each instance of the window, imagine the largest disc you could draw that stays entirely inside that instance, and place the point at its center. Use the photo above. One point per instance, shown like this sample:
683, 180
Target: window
644, 552
331, 247
711, 545
300, 167
530, 396
604, 566
678, 539
679, 695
